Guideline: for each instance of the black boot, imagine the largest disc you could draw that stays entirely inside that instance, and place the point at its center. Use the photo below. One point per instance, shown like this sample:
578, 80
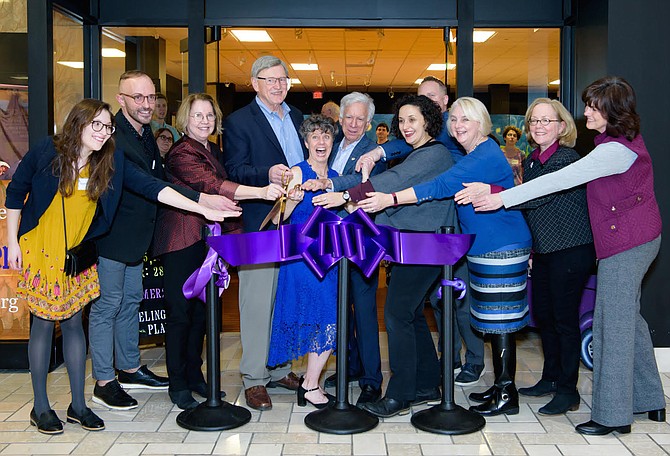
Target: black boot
504, 398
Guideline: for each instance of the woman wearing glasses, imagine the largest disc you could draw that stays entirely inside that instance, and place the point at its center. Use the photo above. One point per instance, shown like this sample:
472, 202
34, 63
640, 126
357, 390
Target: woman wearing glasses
74, 183
563, 254
193, 162
626, 225
164, 139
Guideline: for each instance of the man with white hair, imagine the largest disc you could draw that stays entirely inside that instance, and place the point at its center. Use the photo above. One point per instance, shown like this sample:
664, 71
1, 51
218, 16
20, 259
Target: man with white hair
356, 112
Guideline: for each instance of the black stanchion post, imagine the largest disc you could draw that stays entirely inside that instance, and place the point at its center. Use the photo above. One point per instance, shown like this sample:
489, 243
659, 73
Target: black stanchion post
448, 417
213, 414
341, 417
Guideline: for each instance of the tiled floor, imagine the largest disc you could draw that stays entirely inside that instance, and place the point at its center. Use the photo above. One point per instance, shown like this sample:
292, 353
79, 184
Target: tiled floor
151, 428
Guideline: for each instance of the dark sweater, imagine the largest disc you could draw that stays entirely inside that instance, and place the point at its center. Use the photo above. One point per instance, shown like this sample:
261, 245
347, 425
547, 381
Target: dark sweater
560, 220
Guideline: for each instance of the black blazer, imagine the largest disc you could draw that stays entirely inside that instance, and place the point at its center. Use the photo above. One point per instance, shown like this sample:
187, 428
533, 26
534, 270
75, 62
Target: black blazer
250, 149
133, 227
35, 177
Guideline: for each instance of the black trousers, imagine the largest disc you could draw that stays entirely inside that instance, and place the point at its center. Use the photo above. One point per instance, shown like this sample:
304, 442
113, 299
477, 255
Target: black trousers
558, 281
185, 319
412, 355
364, 355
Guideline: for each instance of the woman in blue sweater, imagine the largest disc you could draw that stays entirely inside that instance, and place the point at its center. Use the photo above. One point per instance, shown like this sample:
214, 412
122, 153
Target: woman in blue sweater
498, 257
73, 182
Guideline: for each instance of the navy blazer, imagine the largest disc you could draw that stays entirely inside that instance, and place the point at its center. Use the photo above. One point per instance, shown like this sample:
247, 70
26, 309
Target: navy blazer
250, 149
351, 178
35, 177
132, 230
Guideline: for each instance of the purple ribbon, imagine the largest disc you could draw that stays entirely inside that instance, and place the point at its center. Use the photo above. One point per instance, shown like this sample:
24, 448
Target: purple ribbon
456, 284
195, 285
326, 238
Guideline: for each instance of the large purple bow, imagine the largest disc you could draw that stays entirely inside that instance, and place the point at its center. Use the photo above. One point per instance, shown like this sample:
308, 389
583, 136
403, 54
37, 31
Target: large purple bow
326, 238
195, 285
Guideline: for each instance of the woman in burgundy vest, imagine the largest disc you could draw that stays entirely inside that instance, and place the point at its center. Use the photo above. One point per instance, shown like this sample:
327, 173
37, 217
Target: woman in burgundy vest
626, 225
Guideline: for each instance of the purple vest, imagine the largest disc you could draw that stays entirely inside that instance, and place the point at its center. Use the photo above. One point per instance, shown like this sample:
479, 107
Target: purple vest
622, 207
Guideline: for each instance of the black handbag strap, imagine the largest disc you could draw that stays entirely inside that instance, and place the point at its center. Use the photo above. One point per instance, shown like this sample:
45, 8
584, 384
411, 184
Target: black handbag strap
62, 198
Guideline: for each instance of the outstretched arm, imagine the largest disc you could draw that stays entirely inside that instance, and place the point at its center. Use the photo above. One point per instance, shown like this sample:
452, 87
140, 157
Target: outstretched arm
378, 201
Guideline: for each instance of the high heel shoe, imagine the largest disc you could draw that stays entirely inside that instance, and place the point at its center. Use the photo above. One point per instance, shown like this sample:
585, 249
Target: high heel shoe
302, 400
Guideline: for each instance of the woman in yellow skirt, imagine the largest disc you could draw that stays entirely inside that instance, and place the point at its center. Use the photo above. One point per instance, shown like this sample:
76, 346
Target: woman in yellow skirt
73, 182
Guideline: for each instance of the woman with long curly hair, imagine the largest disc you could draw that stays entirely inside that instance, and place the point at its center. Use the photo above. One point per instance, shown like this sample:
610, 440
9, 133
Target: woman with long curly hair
73, 182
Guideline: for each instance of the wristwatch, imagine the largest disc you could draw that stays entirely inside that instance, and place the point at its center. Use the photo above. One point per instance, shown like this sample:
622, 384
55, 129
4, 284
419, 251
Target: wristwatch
345, 196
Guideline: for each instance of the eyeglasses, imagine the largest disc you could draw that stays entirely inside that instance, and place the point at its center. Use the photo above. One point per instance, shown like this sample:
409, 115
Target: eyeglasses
139, 99
199, 117
543, 122
98, 126
165, 138
273, 81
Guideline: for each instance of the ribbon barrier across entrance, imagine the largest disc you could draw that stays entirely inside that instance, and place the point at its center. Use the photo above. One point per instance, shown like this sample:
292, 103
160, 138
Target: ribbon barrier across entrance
323, 241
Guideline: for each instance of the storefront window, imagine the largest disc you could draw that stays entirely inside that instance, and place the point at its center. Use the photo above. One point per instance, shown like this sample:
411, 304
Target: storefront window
14, 314
513, 67
68, 66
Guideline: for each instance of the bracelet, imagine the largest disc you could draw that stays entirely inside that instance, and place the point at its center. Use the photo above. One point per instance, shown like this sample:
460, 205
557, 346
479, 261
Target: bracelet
395, 199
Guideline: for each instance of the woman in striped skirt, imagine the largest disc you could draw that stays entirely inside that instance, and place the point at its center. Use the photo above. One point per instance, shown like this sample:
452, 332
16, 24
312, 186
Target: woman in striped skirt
498, 257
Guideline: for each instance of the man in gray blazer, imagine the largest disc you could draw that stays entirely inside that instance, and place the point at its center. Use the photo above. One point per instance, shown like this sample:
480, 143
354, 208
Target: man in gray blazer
356, 112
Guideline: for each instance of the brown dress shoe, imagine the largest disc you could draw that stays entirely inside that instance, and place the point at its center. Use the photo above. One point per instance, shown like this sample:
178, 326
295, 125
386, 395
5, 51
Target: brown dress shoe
258, 398
290, 382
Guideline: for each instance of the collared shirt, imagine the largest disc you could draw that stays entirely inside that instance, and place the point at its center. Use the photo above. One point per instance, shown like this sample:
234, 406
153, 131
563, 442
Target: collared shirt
343, 154
544, 156
285, 132
146, 137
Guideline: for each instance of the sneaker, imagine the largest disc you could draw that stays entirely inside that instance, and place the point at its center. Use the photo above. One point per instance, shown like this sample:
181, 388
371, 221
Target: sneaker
470, 374
112, 395
143, 378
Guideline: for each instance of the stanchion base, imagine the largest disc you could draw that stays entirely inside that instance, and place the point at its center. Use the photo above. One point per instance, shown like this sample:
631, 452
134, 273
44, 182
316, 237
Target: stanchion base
207, 418
346, 419
453, 420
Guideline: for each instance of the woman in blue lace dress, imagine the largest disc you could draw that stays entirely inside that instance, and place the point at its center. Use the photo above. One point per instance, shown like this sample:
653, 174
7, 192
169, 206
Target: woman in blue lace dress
305, 310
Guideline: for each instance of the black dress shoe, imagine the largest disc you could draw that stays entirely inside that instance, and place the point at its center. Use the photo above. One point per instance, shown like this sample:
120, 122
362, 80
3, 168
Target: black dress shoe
368, 394
483, 396
47, 422
201, 390
593, 428
561, 403
657, 415
88, 420
143, 378
429, 396
331, 380
183, 399
541, 388
387, 407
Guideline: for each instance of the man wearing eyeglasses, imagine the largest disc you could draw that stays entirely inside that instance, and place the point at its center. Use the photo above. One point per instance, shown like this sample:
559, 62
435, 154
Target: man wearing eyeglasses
114, 322
261, 143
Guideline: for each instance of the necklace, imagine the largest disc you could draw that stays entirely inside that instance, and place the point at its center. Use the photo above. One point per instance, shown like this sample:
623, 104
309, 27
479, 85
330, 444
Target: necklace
321, 175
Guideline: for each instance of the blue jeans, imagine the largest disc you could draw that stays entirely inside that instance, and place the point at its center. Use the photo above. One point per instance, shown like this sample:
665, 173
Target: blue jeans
113, 327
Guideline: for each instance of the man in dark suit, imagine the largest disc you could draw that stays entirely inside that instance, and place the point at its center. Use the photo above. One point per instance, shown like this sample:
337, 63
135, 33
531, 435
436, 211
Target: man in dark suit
114, 321
261, 143
356, 112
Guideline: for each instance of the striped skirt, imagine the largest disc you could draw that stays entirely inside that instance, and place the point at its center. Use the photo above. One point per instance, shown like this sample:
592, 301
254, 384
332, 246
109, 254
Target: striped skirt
498, 303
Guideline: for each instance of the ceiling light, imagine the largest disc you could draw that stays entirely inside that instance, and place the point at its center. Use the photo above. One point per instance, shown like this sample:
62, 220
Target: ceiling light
480, 36
112, 52
77, 65
252, 36
295, 81
20, 78
418, 81
441, 66
305, 66
555, 82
